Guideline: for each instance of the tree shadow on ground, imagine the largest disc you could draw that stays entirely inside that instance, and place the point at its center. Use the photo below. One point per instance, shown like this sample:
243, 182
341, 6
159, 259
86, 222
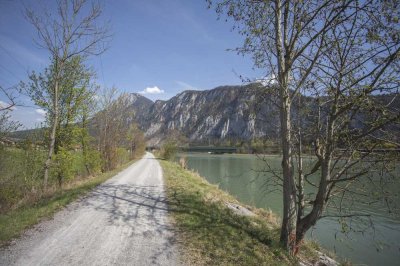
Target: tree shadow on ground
144, 210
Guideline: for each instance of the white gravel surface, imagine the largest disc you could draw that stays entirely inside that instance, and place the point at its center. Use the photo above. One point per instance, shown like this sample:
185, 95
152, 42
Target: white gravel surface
121, 222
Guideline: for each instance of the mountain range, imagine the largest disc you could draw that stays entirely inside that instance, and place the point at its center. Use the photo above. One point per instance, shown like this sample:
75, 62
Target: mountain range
226, 112
240, 112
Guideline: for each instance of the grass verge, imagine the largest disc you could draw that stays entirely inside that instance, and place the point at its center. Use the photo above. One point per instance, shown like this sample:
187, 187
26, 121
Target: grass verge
211, 233
13, 223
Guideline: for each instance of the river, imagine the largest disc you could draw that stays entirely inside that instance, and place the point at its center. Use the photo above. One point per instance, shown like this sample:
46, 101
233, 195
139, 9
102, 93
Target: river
240, 176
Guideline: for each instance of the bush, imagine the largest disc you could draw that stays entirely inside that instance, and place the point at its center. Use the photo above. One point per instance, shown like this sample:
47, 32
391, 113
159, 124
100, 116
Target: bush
122, 156
20, 176
66, 164
92, 161
168, 150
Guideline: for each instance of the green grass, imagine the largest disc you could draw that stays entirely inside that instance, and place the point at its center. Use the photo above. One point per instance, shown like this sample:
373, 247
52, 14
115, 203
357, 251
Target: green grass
211, 234
13, 223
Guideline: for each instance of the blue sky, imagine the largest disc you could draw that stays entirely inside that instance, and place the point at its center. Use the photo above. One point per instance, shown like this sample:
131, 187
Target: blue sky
165, 46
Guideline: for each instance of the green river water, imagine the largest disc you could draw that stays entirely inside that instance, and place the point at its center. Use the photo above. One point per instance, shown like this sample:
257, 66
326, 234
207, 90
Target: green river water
239, 175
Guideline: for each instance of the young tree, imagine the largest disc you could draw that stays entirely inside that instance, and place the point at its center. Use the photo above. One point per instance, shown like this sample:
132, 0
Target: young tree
291, 40
75, 90
76, 94
73, 31
91, 157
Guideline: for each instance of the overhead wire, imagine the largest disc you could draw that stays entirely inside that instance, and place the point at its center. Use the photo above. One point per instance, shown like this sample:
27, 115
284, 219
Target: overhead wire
102, 71
10, 72
12, 57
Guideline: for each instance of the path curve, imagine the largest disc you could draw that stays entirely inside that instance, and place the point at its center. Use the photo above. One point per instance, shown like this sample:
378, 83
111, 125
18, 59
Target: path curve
121, 222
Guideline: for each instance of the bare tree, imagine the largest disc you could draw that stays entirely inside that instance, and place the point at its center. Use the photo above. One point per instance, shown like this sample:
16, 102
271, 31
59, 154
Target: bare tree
292, 41
6, 124
113, 122
354, 112
103, 124
11, 99
72, 31
137, 142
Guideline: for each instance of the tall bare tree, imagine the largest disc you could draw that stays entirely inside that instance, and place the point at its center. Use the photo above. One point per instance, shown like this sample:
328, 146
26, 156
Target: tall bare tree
291, 41
71, 31
354, 111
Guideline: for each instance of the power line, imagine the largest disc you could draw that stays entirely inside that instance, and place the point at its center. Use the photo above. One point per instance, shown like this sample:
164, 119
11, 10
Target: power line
102, 71
12, 57
11, 73
8, 84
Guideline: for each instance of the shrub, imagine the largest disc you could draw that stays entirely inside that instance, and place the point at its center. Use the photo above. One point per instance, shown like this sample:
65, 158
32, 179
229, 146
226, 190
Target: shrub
92, 161
169, 150
122, 156
65, 165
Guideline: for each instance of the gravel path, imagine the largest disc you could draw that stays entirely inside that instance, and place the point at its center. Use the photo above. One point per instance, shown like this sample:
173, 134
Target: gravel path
121, 222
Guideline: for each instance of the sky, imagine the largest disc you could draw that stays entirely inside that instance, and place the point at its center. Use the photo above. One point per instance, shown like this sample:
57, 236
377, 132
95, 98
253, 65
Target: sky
159, 48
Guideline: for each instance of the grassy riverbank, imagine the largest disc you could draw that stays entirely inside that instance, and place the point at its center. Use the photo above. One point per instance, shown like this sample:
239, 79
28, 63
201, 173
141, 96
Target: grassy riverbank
14, 222
212, 234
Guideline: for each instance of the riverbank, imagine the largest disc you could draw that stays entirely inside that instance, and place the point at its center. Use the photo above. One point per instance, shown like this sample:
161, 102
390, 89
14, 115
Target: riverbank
16, 221
211, 232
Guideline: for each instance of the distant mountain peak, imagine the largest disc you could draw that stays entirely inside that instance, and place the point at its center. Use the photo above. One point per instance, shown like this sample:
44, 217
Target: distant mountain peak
134, 96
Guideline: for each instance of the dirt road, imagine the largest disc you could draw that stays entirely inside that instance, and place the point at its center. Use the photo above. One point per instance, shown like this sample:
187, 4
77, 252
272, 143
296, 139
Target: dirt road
122, 222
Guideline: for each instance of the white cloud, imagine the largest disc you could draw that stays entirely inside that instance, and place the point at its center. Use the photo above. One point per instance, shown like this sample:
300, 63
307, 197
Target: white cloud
5, 105
152, 90
41, 112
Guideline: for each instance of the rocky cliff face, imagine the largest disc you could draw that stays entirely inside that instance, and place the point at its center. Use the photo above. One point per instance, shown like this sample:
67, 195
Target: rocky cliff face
220, 113
226, 112
139, 105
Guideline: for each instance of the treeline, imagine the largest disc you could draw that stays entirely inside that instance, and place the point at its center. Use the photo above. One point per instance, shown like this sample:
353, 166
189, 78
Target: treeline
86, 130
252, 146
95, 133
176, 142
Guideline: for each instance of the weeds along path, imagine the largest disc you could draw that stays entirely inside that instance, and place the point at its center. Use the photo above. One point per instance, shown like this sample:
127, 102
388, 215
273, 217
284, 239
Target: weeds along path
121, 222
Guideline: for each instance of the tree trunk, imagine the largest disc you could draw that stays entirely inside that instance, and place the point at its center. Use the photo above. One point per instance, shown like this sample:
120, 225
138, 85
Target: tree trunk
300, 203
288, 229
300, 181
310, 220
52, 135
84, 144
325, 156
